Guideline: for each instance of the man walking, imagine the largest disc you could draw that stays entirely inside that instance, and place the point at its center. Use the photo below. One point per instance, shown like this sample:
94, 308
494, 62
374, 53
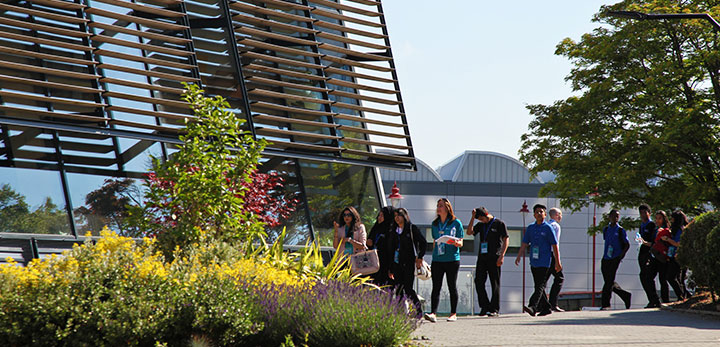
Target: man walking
616, 246
493, 240
558, 278
542, 242
647, 233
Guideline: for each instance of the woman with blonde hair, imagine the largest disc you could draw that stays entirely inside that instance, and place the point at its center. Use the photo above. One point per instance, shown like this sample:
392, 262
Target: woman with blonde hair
350, 235
446, 257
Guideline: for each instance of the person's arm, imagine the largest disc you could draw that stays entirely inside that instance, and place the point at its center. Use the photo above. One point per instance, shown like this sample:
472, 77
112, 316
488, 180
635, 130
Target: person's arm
501, 257
671, 241
471, 223
371, 236
556, 252
419, 238
362, 238
626, 244
521, 252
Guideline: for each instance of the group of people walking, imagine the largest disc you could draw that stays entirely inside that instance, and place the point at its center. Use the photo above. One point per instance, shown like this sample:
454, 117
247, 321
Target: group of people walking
401, 247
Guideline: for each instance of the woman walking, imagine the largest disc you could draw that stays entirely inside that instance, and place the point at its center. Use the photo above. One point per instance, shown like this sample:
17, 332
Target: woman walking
378, 239
407, 247
350, 235
447, 232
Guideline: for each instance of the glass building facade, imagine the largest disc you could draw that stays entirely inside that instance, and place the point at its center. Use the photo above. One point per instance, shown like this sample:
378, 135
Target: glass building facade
91, 89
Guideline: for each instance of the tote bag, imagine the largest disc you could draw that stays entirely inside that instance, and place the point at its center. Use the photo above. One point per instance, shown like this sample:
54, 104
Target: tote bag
365, 263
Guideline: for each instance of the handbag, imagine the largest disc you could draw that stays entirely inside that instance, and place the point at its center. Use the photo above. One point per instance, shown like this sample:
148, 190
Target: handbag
365, 263
423, 272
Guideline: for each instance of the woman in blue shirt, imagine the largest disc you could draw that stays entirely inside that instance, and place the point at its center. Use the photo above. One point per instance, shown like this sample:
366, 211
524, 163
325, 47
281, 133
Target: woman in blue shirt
446, 257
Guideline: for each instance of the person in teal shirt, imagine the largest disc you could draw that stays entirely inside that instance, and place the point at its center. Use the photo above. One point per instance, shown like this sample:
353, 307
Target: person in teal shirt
446, 257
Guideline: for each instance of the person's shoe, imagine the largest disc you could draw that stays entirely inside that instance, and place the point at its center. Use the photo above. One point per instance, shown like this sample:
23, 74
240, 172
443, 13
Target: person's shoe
529, 310
653, 305
557, 308
626, 299
605, 308
545, 313
430, 317
492, 314
452, 318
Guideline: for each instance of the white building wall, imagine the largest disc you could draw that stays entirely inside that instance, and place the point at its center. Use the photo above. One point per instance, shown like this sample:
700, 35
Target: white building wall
575, 250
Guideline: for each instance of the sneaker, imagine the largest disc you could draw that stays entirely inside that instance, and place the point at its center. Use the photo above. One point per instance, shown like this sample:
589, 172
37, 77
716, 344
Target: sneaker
653, 305
529, 310
452, 318
557, 308
492, 314
431, 317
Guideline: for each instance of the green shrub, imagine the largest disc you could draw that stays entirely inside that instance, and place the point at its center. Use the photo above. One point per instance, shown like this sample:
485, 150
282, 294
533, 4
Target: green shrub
695, 252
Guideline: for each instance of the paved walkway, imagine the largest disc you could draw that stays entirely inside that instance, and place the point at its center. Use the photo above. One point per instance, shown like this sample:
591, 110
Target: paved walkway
578, 328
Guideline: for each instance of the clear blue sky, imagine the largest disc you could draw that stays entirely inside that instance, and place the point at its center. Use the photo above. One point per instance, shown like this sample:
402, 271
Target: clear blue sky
468, 68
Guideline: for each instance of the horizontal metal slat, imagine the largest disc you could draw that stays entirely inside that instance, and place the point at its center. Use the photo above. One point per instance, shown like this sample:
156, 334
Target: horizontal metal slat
134, 19
44, 14
49, 71
139, 33
52, 85
268, 93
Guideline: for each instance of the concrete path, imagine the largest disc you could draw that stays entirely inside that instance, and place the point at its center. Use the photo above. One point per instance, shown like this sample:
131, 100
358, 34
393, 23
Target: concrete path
637, 327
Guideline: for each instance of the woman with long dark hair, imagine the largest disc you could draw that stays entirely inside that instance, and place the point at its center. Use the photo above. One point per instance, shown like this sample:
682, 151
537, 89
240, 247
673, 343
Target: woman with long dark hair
378, 240
446, 257
406, 245
350, 235
678, 221
660, 261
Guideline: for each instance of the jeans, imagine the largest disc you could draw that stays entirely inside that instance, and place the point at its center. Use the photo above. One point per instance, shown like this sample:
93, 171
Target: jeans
450, 270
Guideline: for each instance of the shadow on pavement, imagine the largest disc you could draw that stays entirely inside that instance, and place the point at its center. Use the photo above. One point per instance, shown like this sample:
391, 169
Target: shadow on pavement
633, 317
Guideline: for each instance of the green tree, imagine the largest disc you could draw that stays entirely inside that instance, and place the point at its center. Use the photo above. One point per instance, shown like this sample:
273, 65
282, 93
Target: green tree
198, 193
642, 125
16, 216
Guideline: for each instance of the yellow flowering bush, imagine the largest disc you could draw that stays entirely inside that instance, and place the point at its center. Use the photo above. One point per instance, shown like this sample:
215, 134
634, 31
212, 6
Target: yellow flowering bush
119, 291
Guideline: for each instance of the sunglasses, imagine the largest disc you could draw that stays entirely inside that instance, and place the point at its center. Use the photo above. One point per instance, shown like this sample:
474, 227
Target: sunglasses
347, 214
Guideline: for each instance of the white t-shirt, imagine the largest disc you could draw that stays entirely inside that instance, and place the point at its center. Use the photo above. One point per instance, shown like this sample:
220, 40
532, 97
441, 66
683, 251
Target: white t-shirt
556, 228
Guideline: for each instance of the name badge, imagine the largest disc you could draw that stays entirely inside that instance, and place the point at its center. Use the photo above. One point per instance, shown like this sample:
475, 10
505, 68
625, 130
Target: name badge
441, 249
671, 251
397, 256
484, 248
610, 251
536, 252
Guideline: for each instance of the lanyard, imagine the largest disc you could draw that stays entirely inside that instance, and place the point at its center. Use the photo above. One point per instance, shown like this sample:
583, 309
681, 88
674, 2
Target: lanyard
487, 230
444, 225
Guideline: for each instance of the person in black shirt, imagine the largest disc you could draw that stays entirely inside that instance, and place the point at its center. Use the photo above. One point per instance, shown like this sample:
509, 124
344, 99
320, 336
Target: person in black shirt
493, 240
378, 240
647, 272
407, 248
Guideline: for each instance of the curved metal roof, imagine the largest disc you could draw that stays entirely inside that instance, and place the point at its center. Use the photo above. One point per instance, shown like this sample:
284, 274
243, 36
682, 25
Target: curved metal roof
424, 173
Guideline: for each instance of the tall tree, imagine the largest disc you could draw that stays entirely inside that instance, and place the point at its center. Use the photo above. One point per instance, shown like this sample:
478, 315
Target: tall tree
642, 125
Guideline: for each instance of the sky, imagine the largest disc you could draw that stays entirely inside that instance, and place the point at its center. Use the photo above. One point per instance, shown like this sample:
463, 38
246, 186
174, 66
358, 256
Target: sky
468, 68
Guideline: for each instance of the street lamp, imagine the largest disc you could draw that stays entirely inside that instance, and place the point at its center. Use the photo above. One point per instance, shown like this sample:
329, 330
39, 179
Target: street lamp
524, 210
395, 196
658, 16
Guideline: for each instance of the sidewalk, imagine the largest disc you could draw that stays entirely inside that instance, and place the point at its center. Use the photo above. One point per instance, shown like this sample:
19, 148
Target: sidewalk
639, 327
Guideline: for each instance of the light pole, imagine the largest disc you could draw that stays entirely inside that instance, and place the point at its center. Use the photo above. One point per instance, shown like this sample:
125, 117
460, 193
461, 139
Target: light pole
593, 195
659, 16
524, 210
395, 196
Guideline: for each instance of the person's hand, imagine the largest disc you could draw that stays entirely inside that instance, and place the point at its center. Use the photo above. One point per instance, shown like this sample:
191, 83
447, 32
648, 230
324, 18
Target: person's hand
517, 260
558, 267
418, 263
472, 213
665, 238
391, 276
500, 261
335, 224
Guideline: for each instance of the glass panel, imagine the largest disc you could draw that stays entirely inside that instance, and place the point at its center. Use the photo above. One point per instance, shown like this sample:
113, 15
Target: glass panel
102, 201
296, 225
331, 187
31, 201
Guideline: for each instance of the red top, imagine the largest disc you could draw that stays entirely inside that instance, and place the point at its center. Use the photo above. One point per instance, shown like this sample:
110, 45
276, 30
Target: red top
659, 244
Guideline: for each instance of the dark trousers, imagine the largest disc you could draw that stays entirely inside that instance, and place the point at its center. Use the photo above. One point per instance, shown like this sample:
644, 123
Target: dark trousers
404, 281
538, 300
647, 276
609, 267
450, 270
487, 267
558, 280
670, 274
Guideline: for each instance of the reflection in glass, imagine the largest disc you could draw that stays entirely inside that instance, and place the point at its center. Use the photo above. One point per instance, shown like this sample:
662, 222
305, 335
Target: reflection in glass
331, 187
101, 201
31, 201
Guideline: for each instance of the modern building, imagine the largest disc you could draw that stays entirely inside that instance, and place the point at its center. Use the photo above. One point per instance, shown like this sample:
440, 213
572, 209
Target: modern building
502, 185
90, 89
